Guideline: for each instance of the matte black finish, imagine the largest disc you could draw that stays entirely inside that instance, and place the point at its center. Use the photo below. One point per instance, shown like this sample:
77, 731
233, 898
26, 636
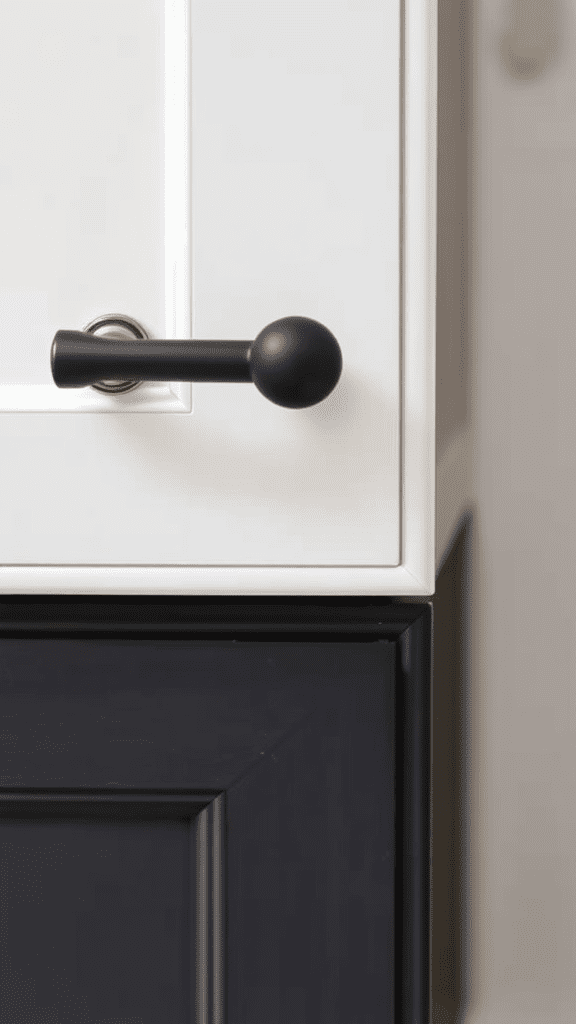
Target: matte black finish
79, 359
295, 362
214, 811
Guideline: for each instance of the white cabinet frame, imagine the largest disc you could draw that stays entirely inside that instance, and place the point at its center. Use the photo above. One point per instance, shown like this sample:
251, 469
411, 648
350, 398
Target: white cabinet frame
415, 573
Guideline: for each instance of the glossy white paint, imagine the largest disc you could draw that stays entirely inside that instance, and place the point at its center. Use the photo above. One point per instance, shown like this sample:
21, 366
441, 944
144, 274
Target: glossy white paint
280, 188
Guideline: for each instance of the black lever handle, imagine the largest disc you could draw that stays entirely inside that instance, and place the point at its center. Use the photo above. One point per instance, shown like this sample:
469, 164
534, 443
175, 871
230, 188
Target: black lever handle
295, 362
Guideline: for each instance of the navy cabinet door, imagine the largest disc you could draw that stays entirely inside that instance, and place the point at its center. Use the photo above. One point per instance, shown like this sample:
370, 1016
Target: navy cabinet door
213, 813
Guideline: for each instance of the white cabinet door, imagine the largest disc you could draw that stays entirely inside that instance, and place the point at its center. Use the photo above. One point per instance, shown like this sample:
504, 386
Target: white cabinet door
206, 168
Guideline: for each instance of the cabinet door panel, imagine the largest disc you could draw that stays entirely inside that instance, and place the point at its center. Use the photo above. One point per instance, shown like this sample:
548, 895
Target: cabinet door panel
202, 829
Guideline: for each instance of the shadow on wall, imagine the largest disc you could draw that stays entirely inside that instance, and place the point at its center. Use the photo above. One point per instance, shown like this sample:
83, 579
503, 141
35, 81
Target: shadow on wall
528, 39
531, 37
455, 263
529, 45
454, 219
450, 783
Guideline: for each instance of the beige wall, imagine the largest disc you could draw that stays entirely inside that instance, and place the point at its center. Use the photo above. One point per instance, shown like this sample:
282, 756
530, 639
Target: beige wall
504, 937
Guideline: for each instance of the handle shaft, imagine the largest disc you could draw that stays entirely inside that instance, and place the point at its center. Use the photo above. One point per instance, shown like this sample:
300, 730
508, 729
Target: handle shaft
295, 362
79, 359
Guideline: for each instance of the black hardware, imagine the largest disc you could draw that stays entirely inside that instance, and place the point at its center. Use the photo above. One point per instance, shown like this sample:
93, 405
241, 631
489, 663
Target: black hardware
295, 362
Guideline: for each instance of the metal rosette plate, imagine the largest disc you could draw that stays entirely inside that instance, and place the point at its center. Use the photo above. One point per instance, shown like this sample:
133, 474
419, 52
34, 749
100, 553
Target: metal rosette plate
122, 327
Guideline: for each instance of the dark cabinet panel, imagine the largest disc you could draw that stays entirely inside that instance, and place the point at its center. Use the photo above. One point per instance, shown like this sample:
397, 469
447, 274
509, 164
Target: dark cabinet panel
214, 814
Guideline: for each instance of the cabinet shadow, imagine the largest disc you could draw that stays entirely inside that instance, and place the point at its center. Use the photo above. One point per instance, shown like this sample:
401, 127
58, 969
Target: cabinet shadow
450, 783
455, 244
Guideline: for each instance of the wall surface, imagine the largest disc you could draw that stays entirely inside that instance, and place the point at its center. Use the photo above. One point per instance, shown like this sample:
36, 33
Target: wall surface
504, 938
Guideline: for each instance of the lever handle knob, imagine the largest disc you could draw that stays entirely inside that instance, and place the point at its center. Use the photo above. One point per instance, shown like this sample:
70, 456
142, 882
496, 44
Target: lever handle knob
295, 362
